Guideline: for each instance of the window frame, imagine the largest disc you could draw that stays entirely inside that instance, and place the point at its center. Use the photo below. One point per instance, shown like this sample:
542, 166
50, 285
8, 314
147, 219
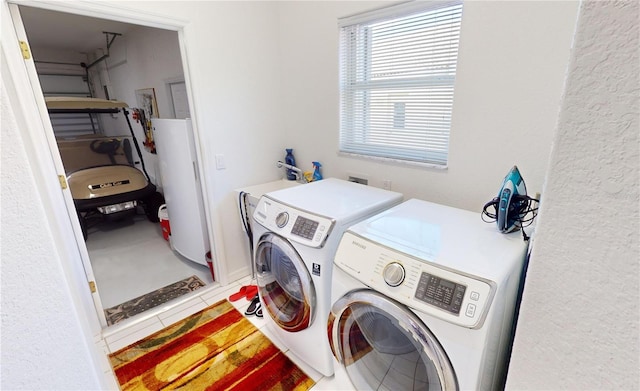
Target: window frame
349, 129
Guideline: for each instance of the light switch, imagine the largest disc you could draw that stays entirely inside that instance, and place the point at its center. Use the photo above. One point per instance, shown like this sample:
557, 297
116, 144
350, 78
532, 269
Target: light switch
220, 165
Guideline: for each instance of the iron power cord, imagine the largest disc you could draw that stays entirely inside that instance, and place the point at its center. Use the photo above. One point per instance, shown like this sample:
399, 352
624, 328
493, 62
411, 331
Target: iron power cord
522, 206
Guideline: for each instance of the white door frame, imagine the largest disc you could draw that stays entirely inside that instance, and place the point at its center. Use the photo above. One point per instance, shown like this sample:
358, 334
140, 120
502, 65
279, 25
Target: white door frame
44, 154
58, 203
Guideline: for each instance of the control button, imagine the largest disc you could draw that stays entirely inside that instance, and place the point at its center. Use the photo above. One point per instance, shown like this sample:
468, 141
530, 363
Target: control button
393, 274
475, 296
281, 219
471, 310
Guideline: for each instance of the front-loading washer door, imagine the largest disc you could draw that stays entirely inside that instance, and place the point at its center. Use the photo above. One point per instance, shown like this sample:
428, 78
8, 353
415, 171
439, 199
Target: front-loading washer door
285, 285
384, 346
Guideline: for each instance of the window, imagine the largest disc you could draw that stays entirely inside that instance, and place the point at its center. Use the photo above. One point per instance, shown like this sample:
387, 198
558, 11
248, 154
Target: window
397, 76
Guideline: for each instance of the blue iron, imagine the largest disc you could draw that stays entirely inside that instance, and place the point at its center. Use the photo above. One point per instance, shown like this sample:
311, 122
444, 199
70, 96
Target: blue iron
511, 202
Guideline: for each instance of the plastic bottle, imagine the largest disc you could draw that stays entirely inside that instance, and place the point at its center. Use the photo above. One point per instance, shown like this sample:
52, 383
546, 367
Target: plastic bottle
290, 160
316, 171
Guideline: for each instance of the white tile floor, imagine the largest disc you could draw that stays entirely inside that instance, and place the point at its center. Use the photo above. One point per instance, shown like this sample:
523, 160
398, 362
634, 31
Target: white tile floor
128, 332
130, 258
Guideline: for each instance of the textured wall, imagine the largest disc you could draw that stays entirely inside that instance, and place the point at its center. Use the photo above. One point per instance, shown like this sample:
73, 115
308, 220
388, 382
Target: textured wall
578, 327
511, 68
42, 341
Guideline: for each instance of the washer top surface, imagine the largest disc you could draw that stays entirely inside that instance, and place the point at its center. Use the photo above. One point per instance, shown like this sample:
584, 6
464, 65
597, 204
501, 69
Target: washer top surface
335, 198
454, 238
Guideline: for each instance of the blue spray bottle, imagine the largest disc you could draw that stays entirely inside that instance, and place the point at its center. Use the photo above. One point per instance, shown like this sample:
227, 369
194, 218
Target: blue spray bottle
290, 160
316, 171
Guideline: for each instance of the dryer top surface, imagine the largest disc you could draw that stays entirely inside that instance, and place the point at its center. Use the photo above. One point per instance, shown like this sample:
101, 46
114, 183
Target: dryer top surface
454, 238
336, 199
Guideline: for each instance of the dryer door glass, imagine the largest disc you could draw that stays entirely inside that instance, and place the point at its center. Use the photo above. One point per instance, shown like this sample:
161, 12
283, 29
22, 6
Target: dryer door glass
285, 285
383, 345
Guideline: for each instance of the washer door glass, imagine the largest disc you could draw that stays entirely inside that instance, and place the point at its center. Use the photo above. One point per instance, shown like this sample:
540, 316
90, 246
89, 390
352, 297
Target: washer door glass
285, 285
384, 346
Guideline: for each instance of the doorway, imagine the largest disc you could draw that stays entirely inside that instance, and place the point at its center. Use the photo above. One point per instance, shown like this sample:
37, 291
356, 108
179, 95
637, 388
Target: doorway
127, 258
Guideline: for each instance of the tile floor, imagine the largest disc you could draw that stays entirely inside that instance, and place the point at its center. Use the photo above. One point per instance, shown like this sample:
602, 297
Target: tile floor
132, 330
130, 258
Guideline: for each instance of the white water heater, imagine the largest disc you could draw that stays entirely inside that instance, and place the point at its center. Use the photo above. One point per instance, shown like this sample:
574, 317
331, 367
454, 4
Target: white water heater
182, 188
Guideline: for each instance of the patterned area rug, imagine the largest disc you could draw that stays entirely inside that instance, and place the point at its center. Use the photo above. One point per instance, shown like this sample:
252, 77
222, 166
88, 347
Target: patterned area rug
214, 349
140, 304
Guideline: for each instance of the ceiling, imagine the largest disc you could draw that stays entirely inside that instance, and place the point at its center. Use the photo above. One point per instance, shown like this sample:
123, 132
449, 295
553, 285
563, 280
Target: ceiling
62, 31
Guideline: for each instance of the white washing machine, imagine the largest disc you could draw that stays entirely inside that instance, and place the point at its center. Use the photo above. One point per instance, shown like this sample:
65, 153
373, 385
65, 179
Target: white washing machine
424, 298
296, 234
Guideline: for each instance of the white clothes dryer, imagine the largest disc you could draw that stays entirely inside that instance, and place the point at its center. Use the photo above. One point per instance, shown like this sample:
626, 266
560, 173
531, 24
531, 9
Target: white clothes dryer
424, 298
296, 234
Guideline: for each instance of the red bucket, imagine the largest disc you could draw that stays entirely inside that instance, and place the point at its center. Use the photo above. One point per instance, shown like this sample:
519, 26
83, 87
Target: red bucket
163, 216
210, 263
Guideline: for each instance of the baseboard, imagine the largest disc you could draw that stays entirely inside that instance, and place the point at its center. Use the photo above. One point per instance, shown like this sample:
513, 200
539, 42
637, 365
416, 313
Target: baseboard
239, 274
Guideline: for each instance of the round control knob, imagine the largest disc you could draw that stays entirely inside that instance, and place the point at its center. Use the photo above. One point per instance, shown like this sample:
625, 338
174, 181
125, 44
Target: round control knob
393, 274
281, 219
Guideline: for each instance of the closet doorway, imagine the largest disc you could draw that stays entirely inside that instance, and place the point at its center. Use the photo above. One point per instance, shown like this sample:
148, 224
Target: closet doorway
76, 55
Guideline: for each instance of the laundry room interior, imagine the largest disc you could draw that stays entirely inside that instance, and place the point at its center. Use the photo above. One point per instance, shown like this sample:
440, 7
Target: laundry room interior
216, 92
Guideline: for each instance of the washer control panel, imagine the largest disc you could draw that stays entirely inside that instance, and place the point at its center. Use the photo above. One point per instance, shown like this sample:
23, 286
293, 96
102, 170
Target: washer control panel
441, 293
459, 298
297, 225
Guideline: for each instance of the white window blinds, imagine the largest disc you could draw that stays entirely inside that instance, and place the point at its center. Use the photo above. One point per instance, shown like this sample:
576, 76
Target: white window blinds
397, 76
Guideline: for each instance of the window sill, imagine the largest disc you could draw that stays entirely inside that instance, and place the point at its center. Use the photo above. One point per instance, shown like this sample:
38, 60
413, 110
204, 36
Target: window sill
393, 161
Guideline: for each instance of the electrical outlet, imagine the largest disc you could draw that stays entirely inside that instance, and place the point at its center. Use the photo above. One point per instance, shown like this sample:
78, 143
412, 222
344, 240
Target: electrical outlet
386, 184
355, 179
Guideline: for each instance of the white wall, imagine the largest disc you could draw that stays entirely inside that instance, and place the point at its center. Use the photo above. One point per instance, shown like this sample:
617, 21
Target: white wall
512, 62
43, 344
143, 58
233, 49
258, 90
579, 321
235, 86
232, 54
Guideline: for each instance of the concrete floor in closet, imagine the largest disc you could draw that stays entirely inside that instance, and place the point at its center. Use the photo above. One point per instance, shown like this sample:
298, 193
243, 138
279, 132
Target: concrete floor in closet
131, 258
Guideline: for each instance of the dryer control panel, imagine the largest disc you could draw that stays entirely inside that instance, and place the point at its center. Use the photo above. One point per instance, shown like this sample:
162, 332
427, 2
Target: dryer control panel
451, 295
294, 224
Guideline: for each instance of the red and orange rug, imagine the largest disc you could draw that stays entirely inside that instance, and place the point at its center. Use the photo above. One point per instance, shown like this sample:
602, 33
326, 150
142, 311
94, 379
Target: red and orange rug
214, 349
